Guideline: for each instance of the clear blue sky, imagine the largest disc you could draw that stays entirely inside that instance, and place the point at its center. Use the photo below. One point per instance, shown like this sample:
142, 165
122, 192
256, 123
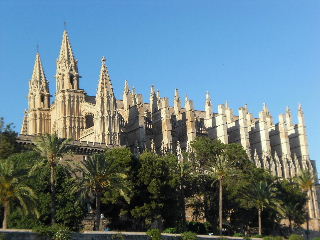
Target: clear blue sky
246, 52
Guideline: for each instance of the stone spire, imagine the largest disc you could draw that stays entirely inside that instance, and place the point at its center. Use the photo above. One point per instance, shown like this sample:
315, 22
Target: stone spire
303, 138
244, 128
67, 66
289, 119
221, 122
166, 125
153, 100
190, 120
126, 100
105, 86
264, 133
107, 121
177, 104
208, 106
37, 118
39, 96
66, 53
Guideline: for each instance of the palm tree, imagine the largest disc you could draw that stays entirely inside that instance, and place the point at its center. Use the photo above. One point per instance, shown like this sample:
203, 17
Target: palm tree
96, 175
261, 195
306, 182
52, 149
221, 169
12, 189
218, 160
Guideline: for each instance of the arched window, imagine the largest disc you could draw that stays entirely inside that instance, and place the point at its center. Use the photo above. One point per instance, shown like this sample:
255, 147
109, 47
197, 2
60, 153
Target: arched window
89, 120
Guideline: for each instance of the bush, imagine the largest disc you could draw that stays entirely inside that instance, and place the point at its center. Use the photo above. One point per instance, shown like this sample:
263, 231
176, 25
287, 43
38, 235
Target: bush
170, 230
316, 238
188, 236
257, 236
277, 238
296, 237
238, 235
154, 234
246, 238
54, 232
268, 238
118, 236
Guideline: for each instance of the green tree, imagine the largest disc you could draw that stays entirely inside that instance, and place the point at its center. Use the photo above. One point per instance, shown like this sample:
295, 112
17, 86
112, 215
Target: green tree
156, 191
69, 212
261, 195
306, 182
293, 201
97, 175
13, 189
8, 136
52, 149
218, 160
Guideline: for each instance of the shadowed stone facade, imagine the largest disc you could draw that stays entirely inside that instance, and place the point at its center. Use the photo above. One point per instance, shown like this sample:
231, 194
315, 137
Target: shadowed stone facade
281, 148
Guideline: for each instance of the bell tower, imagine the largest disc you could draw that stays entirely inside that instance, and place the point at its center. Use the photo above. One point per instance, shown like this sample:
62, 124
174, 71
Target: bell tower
68, 121
37, 117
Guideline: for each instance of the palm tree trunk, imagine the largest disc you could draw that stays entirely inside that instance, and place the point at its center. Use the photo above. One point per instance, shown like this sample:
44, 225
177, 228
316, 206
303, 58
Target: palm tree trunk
308, 217
53, 195
259, 221
183, 205
98, 213
220, 206
6, 211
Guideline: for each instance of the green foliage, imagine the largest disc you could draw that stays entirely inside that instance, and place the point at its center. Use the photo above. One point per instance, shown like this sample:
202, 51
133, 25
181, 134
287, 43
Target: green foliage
118, 236
293, 201
13, 189
156, 188
170, 230
8, 143
238, 235
268, 238
154, 234
316, 238
296, 237
54, 232
277, 238
69, 211
188, 236
246, 238
257, 236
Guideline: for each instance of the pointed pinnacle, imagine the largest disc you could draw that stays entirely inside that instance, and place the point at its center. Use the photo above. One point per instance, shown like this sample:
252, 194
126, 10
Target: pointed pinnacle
176, 92
208, 97
152, 91
103, 60
288, 109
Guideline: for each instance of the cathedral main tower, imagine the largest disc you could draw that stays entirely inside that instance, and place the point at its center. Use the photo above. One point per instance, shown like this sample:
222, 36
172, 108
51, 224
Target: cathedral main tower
67, 120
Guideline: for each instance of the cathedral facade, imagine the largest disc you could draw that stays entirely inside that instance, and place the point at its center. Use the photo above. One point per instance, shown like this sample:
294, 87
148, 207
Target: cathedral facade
281, 148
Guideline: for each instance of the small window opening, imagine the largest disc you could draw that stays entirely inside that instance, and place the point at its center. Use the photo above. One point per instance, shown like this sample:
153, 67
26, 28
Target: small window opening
89, 121
72, 81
